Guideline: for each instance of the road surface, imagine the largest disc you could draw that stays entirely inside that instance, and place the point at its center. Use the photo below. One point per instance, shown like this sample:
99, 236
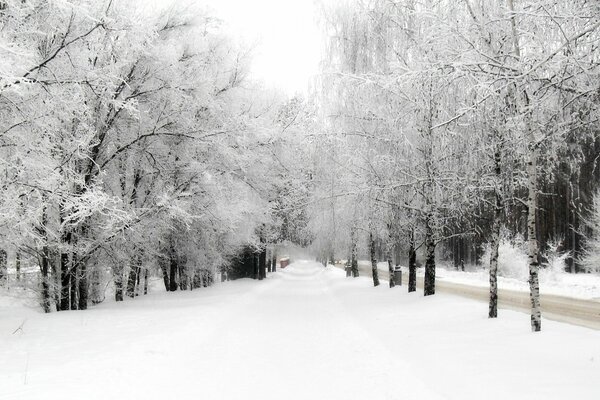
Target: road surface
558, 308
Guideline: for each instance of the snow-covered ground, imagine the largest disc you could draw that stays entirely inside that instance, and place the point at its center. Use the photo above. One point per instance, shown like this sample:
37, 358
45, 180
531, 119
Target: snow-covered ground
306, 332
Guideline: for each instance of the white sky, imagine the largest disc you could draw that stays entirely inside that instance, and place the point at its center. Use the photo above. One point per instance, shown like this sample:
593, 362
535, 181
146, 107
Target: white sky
288, 45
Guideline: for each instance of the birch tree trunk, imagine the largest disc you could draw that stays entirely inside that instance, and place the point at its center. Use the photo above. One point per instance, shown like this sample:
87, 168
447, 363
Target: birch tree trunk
533, 247
118, 279
494, 243
495, 234
391, 271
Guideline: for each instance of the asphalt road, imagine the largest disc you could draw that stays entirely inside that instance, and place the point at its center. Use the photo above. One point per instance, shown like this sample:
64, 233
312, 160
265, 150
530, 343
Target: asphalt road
558, 308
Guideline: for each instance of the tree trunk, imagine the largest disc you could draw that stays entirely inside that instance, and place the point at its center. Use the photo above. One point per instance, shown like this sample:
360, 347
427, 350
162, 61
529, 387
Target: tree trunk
353, 250
183, 276
255, 269
82, 294
97, 289
163, 264
65, 281
495, 235
133, 277
373, 261
172, 271
262, 263
494, 243
55, 278
44, 267
533, 250
429, 281
412, 262
391, 272
3, 264
18, 265
74, 279
145, 281
274, 261
118, 279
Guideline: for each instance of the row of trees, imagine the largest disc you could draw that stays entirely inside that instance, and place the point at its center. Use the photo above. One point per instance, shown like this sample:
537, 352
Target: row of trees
447, 122
130, 142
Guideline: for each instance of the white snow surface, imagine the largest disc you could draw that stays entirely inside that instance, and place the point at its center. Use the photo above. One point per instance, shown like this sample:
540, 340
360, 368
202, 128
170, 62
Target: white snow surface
306, 332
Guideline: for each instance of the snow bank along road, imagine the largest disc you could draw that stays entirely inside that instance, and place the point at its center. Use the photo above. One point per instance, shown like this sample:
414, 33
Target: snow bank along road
306, 332
558, 308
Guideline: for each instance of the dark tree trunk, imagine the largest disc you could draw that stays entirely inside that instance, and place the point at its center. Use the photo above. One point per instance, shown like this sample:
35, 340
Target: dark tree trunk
18, 265
262, 263
268, 264
65, 281
391, 272
3, 264
429, 281
182, 272
145, 281
83, 287
373, 261
255, 267
44, 267
412, 262
353, 254
118, 279
274, 261
74, 279
172, 271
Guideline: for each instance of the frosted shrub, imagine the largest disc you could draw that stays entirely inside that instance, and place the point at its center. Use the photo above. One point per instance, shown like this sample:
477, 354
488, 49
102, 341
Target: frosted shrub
557, 263
512, 258
591, 258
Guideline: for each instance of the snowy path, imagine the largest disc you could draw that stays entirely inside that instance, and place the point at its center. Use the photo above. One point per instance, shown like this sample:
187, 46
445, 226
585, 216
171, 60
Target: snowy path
304, 333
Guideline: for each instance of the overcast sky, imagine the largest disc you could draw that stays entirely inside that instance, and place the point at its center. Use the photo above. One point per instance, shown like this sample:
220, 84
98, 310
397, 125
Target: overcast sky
285, 32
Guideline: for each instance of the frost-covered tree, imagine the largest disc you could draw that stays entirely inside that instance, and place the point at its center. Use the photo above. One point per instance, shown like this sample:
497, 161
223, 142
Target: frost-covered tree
591, 259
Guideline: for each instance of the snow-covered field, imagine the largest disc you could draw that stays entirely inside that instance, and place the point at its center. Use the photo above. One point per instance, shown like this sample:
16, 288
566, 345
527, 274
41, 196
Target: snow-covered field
306, 332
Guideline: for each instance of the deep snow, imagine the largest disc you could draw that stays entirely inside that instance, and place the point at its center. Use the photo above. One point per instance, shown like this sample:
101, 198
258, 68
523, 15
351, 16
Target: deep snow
306, 332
